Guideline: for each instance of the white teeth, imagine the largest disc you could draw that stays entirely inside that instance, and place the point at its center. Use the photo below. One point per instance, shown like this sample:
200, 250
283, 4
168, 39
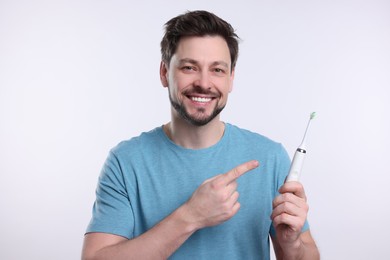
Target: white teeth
200, 99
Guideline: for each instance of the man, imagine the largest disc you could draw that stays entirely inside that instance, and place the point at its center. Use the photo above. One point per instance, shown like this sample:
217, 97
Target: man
198, 188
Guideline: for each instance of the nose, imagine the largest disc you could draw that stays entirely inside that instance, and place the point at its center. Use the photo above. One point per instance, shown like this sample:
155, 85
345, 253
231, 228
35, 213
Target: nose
203, 80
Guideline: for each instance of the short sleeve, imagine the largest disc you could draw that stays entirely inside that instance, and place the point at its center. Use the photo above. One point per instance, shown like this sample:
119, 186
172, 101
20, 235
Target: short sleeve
112, 212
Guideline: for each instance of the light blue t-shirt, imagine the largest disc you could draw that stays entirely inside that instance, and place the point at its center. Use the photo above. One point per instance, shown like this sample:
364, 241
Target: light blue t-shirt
147, 177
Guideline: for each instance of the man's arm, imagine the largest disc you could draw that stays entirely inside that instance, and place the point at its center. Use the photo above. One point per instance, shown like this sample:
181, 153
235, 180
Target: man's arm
214, 202
307, 248
289, 215
157, 243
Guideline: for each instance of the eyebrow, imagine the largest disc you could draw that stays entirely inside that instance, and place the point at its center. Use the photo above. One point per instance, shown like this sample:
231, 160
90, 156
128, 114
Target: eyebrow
192, 61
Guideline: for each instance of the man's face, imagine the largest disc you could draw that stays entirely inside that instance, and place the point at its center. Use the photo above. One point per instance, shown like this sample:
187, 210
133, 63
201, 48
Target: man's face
199, 78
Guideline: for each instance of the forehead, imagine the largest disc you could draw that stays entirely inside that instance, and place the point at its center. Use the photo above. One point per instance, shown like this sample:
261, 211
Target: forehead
206, 49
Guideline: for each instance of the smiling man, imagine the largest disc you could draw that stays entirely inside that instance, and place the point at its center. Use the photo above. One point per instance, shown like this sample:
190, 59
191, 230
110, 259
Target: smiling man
199, 79
197, 187
204, 80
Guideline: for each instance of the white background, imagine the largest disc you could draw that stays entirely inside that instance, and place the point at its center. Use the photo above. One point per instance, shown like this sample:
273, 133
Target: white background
77, 77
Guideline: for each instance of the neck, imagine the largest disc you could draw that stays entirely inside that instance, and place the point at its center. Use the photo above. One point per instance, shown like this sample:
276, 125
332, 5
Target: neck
195, 137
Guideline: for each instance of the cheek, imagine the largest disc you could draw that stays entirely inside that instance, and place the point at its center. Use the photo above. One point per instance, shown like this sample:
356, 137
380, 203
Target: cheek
230, 84
228, 87
231, 87
174, 91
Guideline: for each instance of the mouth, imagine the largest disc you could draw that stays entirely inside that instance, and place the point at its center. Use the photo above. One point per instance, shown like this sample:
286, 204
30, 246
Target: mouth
200, 99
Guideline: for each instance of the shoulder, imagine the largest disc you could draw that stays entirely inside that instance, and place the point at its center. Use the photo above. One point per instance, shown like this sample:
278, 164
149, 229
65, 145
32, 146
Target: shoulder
134, 145
255, 140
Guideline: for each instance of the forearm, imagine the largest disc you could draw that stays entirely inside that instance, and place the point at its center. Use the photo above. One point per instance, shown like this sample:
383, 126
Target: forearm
159, 242
310, 252
301, 251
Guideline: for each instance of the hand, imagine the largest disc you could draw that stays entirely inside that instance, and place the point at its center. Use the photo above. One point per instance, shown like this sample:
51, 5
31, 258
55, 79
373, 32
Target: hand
289, 213
215, 200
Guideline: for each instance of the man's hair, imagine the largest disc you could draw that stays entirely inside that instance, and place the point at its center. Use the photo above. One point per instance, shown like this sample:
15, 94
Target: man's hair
197, 23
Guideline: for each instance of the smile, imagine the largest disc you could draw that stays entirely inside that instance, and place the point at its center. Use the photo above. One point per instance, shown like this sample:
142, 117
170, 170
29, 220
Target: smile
201, 99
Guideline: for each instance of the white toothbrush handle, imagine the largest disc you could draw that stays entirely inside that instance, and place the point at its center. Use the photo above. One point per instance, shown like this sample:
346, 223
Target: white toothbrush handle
296, 165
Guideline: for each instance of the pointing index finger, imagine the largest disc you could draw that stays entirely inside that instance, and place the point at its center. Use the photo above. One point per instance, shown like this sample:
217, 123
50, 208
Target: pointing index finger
240, 170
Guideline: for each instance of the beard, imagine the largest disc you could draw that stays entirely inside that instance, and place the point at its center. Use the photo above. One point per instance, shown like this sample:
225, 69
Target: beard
200, 118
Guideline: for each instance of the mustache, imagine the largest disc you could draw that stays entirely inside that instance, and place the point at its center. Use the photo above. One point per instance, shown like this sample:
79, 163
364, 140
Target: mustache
202, 91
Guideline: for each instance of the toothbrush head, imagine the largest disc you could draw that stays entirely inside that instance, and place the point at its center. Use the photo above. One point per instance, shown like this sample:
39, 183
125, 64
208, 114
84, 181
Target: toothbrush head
312, 115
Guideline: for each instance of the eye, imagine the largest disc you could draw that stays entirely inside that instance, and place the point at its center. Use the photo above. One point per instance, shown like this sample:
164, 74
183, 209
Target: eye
219, 70
188, 68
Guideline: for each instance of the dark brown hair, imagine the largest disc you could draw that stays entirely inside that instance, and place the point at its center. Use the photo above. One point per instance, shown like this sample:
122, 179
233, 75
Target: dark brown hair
197, 23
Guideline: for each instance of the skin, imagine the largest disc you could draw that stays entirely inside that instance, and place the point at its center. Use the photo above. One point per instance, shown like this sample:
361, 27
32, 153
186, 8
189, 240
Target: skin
200, 65
199, 78
288, 216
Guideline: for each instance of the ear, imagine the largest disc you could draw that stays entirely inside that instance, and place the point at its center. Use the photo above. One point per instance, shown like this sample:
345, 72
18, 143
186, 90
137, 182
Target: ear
164, 74
231, 81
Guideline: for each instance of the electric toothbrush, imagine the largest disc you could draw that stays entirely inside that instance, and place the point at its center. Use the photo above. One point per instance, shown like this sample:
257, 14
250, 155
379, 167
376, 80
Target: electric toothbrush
299, 156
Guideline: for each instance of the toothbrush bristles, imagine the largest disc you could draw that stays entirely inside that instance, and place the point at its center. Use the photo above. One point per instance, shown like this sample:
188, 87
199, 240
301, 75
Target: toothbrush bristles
312, 115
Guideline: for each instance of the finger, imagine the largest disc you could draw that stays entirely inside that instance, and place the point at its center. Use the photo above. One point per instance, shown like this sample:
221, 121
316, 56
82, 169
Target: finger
295, 223
232, 187
281, 199
213, 178
289, 198
235, 208
232, 206
233, 199
238, 171
287, 208
295, 188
